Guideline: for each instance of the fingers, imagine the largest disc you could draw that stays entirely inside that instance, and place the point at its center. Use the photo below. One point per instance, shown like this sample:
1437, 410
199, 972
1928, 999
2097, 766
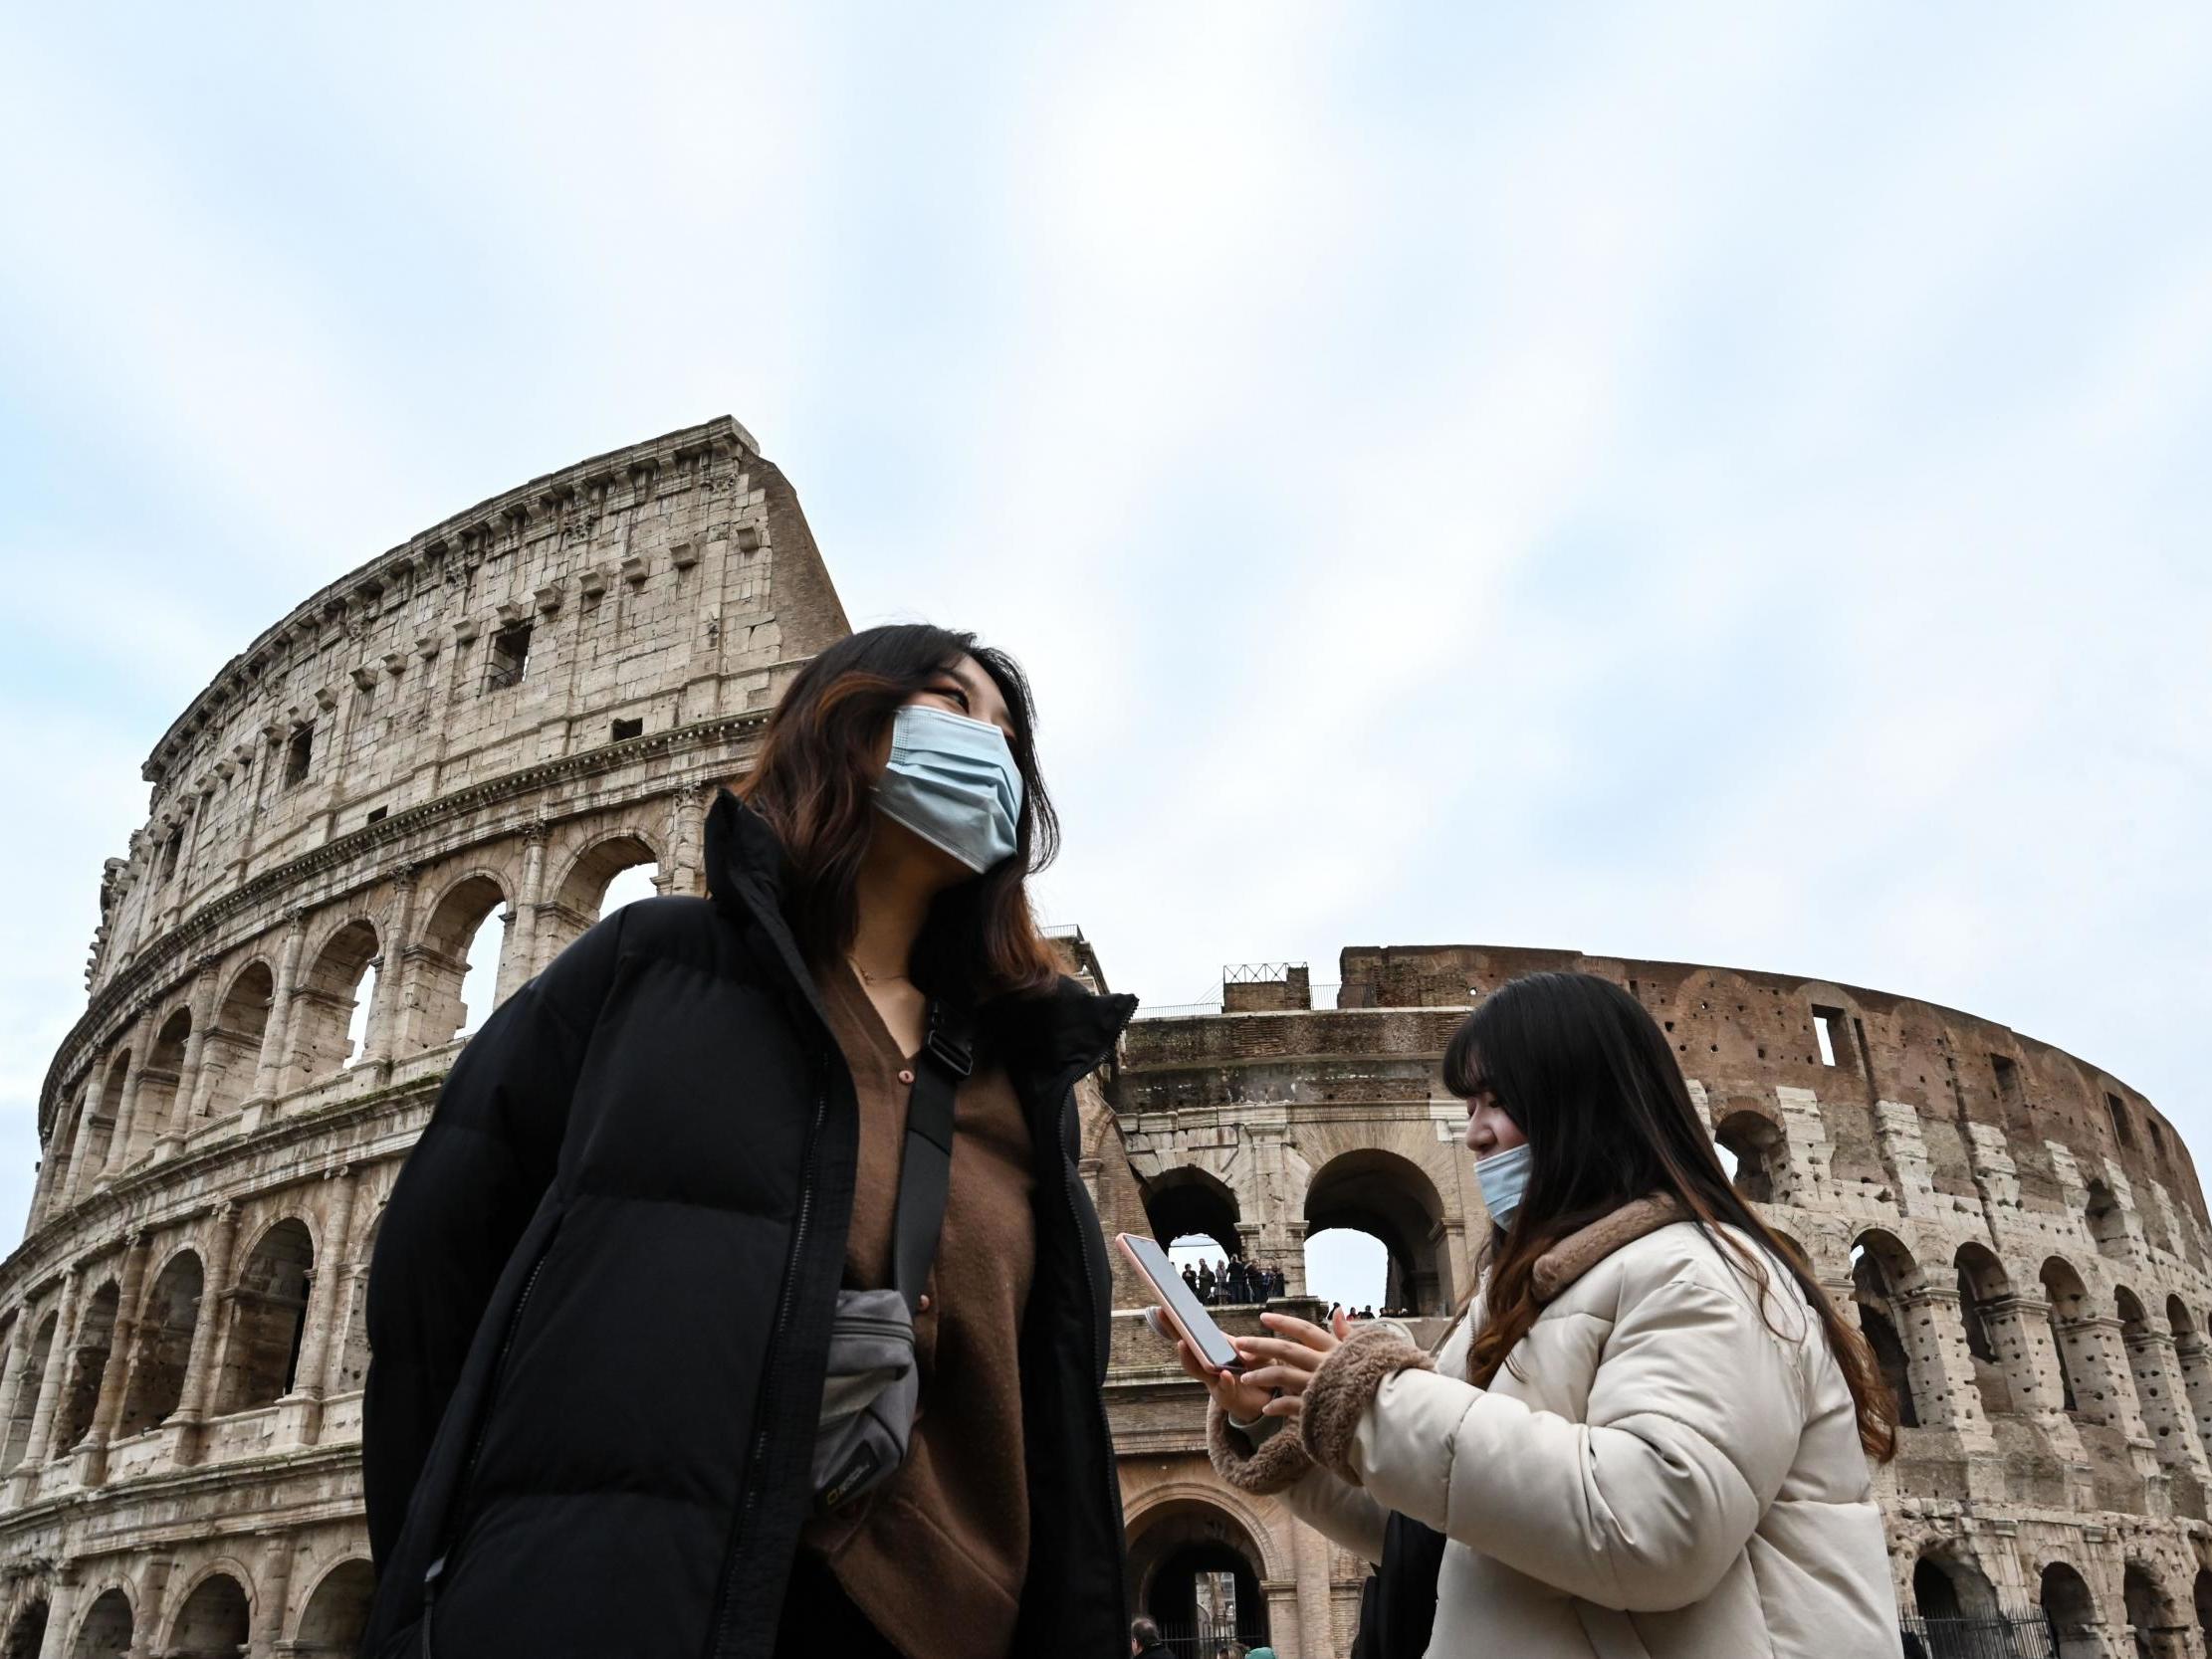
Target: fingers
1283, 1405
1289, 1353
1341, 1323
1288, 1378
1302, 1331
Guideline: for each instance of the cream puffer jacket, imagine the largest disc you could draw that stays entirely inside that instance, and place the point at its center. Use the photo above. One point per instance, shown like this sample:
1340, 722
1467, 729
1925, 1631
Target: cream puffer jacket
1656, 1474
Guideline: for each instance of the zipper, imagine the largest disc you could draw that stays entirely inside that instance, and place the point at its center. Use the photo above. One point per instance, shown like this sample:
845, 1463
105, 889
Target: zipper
455, 1510
755, 1476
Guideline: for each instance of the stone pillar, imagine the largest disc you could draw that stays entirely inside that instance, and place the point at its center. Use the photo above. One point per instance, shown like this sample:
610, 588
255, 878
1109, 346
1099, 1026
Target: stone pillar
57, 1367
61, 1614
519, 951
2164, 1404
686, 872
140, 1039
182, 1109
220, 1241
2192, 1354
1311, 1558
79, 1181
342, 1300
1940, 1366
269, 1073
276, 1591
377, 1042
326, 1283
15, 1359
2020, 1328
92, 1457
1906, 1152
2104, 1391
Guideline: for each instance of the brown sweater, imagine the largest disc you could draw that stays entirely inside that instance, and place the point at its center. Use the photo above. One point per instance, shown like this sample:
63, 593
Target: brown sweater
937, 1559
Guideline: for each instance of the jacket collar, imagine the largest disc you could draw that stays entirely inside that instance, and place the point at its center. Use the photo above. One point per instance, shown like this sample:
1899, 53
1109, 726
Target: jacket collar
1063, 1032
1579, 1251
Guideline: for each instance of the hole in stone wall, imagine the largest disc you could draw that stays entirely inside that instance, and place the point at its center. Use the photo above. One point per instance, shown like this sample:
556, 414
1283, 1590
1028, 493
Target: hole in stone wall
2117, 1109
299, 754
627, 729
508, 658
1827, 1025
376, 814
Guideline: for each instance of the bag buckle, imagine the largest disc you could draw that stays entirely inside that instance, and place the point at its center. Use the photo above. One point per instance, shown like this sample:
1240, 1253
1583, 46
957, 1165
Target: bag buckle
950, 1053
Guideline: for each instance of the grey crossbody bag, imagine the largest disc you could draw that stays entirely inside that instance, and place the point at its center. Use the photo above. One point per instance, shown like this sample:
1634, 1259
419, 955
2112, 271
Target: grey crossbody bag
872, 1389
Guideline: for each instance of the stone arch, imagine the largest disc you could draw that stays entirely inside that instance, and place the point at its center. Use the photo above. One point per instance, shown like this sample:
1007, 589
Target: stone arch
27, 1630
106, 1630
2068, 1302
97, 1132
95, 1337
337, 1610
2004, 1369
2152, 1617
267, 1319
2200, 1600
29, 1380
340, 977
1392, 1199
1949, 1587
1188, 1200
2063, 1594
157, 1080
580, 897
2108, 1226
230, 1056
216, 1618
1181, 1535
1756, 1150
1881, 1270
164, 1343
442, 959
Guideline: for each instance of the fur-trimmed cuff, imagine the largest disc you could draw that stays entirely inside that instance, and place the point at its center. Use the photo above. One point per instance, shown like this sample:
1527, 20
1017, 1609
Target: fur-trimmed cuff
1343, 1389
1280, 1462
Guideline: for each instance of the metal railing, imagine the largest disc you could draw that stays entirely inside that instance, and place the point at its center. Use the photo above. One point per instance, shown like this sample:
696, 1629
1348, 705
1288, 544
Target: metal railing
2007, 1636
1207, 1638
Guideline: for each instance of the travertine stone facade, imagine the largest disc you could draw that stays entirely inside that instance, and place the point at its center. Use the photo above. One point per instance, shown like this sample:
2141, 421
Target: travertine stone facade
499, 717
496, 718
2022, 1235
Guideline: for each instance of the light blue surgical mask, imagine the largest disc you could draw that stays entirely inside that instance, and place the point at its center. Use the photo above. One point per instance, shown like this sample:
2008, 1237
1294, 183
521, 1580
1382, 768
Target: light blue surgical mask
952, 780
1503, 1179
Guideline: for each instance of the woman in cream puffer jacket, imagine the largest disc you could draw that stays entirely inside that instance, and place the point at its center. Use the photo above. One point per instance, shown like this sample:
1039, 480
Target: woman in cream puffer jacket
1660, 1457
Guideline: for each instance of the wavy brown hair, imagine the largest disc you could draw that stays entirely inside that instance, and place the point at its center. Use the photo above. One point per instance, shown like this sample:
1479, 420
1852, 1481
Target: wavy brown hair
815, 784
1586, 1073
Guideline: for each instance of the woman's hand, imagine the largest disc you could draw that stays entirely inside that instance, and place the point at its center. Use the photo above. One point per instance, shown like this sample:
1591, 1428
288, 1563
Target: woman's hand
1232, 1394
1283, 1364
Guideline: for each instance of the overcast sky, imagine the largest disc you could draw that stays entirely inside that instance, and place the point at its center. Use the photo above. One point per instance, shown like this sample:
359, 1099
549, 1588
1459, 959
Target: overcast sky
1719, 484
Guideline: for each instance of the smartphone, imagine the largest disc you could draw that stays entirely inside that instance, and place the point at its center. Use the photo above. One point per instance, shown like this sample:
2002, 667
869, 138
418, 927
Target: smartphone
1182, 1309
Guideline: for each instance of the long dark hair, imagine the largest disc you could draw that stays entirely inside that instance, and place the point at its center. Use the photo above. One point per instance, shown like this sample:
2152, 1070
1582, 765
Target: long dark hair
813, 783
1586, 1073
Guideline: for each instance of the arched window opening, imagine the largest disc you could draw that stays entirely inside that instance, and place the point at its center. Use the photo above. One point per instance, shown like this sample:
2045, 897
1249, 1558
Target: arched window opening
2150, 1611
1879, 1267
164, 1344
96, 1336
1756, 1154
615, 871
107, 1630
331, 1012
2002, 1373
158, 1083
1348, 1268
268, 1320
1394, 1202
330, 1627
1959, 1616
1197, 1573
2201, 1597
457, 965
214, 1622
27, 1635
230, 1058
2106, 1226
28, 1378
2063, 1597
99, 1128
2067, 1299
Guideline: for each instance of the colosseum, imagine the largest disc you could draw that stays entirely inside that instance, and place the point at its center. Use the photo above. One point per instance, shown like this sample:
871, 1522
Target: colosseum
408, 793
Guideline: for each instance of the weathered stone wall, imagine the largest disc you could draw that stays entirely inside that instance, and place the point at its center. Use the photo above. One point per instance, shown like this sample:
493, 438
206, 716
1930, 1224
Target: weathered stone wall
2022, 1235
181, 1342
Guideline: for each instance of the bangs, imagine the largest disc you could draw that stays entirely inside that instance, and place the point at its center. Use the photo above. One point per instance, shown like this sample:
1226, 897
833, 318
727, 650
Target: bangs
1463, 1075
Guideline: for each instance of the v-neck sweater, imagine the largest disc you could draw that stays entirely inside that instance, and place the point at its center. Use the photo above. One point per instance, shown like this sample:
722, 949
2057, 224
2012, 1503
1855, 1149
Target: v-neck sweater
937, 1559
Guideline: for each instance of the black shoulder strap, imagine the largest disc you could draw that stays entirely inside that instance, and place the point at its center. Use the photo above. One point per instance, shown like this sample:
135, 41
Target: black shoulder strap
926, 1165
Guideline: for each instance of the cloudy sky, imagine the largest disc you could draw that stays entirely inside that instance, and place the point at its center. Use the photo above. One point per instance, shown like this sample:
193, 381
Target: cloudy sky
1724, 483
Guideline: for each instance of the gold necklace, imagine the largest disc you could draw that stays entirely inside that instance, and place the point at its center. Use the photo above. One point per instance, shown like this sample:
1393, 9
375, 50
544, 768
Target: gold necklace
868, 979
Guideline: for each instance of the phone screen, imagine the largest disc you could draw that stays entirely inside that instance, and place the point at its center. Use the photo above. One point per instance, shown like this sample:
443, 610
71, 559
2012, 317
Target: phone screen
1189, 1312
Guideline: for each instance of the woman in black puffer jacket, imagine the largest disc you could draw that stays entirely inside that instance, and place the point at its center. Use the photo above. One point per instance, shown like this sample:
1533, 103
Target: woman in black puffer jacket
600, 1301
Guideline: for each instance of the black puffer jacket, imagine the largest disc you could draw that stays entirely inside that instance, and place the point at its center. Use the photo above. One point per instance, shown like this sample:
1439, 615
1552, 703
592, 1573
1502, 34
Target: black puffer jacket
599, 1304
